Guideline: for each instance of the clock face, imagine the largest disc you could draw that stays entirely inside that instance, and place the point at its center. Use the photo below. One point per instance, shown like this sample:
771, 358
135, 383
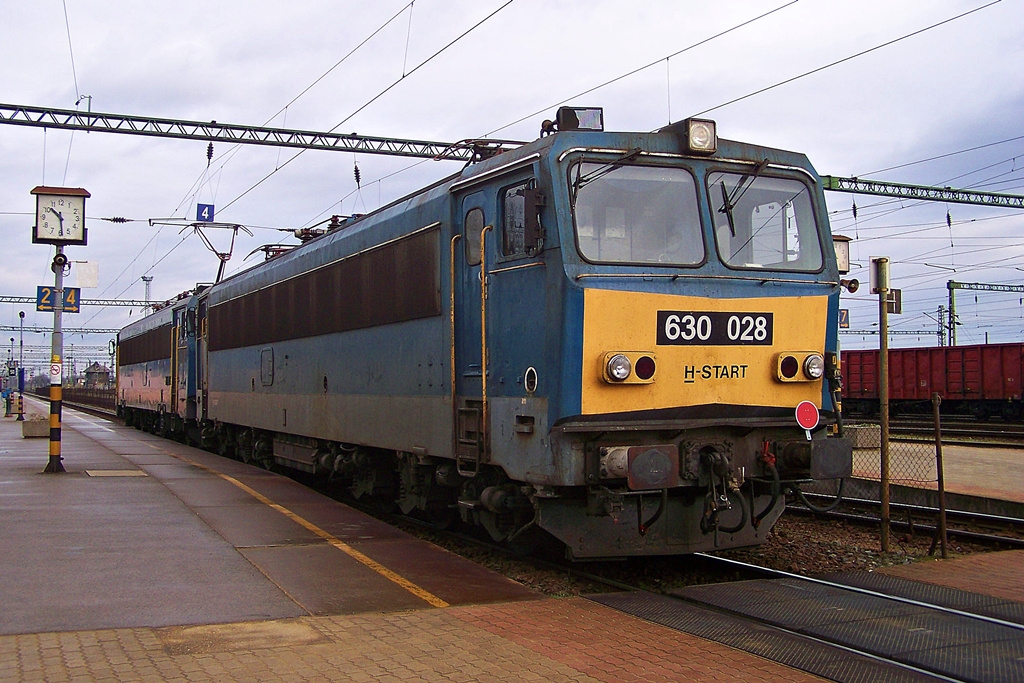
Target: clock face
60, 219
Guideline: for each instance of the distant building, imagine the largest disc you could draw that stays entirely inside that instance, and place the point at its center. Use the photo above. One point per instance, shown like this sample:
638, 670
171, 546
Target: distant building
97, 376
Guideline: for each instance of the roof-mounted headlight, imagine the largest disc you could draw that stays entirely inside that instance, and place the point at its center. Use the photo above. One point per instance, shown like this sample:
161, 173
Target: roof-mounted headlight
580, 118
701, 136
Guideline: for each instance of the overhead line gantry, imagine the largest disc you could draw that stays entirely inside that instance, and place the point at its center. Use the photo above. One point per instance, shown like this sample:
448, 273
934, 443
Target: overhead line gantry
96, 122
29, 300
935, 194
465, 150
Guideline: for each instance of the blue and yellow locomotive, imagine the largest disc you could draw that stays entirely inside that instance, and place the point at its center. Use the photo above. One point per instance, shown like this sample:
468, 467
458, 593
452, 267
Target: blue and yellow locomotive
607, 337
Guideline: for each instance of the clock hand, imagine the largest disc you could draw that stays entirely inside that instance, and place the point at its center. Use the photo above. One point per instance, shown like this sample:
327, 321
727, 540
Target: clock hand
59, 218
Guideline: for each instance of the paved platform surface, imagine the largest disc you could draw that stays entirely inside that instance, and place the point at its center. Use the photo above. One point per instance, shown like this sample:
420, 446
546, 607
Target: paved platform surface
148, 560
999, 574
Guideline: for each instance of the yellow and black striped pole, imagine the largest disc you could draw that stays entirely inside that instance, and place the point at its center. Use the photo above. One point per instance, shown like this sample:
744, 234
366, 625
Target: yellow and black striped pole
56, 371
56, 367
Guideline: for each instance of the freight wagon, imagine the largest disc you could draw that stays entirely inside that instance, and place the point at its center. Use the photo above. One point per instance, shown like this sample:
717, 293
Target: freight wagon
982, 380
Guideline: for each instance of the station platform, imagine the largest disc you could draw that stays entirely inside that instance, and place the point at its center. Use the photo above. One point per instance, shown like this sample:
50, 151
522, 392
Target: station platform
148, 560
998, 574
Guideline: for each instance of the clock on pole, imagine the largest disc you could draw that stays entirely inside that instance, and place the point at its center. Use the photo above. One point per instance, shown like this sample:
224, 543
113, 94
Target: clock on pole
60, 221
60, 215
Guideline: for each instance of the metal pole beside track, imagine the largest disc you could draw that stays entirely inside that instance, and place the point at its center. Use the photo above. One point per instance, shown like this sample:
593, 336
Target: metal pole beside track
882, 265
936, 400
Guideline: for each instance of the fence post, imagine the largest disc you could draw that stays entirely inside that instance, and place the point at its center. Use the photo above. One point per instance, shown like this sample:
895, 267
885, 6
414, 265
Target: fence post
936, 400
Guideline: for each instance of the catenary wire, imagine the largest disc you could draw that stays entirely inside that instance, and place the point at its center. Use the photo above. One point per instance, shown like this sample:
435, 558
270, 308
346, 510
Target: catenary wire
846, 59
375, 98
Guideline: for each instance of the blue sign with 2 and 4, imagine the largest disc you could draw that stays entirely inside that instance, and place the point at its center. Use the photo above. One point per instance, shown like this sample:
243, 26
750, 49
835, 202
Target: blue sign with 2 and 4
204, 213
46, 296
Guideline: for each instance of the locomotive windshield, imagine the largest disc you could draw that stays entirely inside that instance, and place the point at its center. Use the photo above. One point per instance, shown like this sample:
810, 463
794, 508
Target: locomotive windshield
637, 214
764, 223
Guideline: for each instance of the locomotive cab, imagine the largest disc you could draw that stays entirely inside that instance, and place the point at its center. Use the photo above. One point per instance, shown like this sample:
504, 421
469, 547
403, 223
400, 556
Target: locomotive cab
701, 301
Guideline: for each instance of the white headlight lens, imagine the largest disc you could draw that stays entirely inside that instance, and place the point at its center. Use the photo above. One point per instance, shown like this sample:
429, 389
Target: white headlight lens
814, 366
702, 136
619, 367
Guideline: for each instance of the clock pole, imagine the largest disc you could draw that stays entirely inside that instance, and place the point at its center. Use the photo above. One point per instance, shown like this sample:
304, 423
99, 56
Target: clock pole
60, 221
56, 366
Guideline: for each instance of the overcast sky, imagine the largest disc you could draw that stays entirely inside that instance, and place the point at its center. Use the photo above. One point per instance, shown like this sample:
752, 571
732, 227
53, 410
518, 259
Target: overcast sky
951, 88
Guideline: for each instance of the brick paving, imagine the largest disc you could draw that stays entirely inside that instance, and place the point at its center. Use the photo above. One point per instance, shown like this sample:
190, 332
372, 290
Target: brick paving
999, 574
545, 640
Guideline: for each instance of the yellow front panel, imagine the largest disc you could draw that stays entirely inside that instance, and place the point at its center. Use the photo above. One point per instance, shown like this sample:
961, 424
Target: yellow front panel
696, 374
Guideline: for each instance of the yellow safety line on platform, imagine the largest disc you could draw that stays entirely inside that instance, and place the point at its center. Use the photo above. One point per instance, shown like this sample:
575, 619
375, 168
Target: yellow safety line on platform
405, 583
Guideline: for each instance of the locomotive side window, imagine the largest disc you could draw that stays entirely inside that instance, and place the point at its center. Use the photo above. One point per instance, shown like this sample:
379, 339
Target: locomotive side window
474, 224
636, 214
513, 220
764, 223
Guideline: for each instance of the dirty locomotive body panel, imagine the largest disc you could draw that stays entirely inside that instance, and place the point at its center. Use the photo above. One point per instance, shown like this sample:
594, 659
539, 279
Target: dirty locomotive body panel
601, 336
144, 352
157, 366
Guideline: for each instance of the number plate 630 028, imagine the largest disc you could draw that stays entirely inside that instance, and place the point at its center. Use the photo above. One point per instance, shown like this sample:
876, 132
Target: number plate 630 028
714, 328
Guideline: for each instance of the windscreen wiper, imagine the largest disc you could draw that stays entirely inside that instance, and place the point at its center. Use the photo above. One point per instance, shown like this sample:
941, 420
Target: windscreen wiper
729, 202
600, 171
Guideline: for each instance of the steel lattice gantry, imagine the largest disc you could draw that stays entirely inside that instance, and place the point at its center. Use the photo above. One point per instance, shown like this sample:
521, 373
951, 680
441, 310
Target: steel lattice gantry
71, 119
923, 192
66, 330
466, 150
31, 301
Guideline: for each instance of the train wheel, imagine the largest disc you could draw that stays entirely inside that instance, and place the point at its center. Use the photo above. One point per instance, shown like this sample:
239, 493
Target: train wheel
243, 446
225, 444
263, 453
441, 517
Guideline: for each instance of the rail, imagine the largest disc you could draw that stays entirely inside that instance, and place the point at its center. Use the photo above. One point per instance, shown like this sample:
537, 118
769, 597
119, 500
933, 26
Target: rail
103, 399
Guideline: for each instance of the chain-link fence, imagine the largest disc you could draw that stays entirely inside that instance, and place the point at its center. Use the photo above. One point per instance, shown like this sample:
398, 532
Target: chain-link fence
910, 463
912, 474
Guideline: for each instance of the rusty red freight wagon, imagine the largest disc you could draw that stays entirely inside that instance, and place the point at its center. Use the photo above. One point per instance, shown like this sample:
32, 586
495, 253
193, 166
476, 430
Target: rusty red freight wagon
982, 380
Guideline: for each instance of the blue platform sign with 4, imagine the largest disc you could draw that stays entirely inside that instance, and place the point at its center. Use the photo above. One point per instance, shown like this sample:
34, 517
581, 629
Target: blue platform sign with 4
45, 297
204, 213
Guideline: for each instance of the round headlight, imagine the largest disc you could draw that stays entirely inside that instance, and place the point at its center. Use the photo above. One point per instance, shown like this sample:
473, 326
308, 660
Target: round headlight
814, 366
788, 367
619, 367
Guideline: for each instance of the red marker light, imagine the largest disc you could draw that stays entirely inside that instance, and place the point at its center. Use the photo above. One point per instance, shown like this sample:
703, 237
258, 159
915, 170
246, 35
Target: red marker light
644, 367
807, 415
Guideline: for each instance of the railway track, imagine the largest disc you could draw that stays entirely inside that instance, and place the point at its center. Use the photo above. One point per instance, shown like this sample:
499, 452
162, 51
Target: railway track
961, 432
854, 627
993, 530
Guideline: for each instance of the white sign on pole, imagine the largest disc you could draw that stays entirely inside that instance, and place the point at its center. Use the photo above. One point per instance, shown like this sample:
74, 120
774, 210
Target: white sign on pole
88, 274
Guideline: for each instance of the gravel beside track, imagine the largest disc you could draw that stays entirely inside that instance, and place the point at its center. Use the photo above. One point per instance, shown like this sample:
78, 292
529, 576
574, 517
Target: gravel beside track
805, 546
